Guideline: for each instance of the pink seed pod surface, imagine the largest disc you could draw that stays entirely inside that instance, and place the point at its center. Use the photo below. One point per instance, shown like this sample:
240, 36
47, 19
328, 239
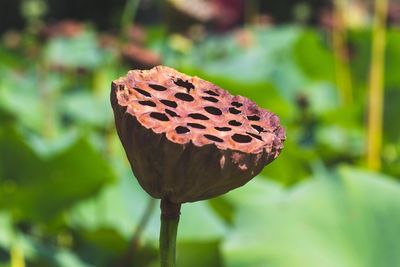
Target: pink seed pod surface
188, 139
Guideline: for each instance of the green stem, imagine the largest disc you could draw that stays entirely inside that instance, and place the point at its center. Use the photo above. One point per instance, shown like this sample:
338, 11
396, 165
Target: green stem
376, 83
170, 213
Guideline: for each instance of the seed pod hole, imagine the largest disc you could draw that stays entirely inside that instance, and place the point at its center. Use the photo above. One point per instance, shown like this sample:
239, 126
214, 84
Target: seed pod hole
169, 103
211, 93
234, 111
198, 116
171, 113
253, 118
142, 92
236, 104
241, 138
196, 125
258, 128
213, 110
182, 130
223, 129
147, 103
210, 98
184, 97
157, 87
234, 123
186, 84
213, 138
159, 116
191, 112
255, 136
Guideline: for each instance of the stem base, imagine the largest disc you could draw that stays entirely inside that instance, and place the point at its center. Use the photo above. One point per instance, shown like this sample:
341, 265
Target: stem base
170, 213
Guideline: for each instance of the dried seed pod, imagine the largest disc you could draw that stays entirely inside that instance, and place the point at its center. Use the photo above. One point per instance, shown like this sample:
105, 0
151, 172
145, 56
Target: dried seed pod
187, 139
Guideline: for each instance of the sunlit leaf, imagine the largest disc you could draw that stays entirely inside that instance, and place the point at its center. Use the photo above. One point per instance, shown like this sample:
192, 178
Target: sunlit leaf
349, 220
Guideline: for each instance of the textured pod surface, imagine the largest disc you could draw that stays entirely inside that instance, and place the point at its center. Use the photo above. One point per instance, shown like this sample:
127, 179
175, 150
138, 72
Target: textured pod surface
187, 139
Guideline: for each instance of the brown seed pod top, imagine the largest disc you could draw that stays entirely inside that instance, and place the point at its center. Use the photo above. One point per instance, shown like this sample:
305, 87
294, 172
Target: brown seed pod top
187, 139
189, 109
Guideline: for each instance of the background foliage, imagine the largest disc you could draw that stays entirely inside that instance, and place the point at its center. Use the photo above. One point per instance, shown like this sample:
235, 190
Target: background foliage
68, 197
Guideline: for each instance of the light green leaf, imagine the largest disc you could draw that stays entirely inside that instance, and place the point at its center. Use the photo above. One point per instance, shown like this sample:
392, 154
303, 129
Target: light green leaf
80, 51
351, 220
198, 222
118, 206
6, 230
65, 258
85, 108
20, 97
340, 140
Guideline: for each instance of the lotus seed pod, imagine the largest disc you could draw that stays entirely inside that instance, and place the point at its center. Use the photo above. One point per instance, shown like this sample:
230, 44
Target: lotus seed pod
186, 138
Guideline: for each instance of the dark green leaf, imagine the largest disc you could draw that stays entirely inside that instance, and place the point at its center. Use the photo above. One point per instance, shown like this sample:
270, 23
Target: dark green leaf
36, 188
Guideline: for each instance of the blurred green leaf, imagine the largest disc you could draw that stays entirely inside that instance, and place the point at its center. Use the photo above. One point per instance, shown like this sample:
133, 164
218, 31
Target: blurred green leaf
360, 44
32, 98
313, 57
199, 254
84, 108
392, 79
101, 245
42, 254
331, 221
198, 222
223, 208
322, 97
249, 70
36, 188
19, 96
299, 160
360, 57
66, 258
81, 51
390, 116
9, 59
391, 159
337, 141
119, 206
6, 230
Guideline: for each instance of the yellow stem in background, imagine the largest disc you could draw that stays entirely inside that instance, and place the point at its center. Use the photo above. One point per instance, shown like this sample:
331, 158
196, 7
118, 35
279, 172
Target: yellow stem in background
17, 257
376, 86
341, 54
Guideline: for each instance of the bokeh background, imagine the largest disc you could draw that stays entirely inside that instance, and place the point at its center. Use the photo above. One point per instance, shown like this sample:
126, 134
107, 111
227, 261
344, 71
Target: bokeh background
329, 69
